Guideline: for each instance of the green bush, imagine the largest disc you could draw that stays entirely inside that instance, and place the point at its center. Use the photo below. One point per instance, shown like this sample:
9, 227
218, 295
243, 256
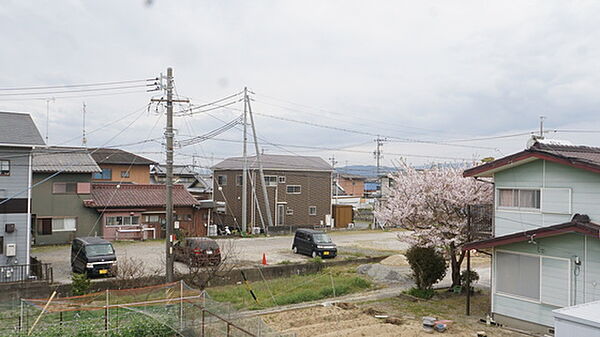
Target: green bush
81, 284
427, 264
463, 278
316, 259
420, 293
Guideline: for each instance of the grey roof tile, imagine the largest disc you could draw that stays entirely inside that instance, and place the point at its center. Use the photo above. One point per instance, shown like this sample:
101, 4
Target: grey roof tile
276, 162
65, 159
19, 129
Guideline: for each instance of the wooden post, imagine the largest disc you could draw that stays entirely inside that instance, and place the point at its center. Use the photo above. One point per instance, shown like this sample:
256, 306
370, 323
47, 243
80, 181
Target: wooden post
332, 284
181, 305
106, 313
468, 306
41, 313
21, 317
202, 330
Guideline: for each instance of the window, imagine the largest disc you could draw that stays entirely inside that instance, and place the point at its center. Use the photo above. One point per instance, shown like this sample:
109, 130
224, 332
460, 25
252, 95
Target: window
106, 174
282, 179
271, 180
4, 167
125, 174
222, 181
122, 220
183, 217
152, 218
239, 180
293, 189
84, 188
1, 244
45, 226
64, 224
519, 198
518, 275
289, 211
64, 188
312, 210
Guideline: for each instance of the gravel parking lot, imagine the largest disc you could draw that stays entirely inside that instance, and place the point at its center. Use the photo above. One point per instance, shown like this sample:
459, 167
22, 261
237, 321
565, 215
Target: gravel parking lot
248, 251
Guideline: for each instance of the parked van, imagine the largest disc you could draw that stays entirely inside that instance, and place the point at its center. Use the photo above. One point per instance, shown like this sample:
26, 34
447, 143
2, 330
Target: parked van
313, 243
93, 256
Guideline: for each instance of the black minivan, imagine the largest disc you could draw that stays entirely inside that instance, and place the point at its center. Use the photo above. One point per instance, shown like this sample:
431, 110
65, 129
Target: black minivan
313, 243
93, 256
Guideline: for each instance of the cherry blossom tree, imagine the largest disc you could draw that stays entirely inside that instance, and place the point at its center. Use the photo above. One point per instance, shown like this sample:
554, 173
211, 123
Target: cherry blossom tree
433, 204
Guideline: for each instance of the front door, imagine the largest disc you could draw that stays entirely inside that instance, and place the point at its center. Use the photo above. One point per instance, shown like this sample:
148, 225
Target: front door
280, 214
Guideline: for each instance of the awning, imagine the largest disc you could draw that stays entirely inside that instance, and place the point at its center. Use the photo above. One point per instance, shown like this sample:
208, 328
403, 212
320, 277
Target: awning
579, 224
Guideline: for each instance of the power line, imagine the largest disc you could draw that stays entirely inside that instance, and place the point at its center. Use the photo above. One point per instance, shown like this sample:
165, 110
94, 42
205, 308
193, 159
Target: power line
78, 90
77, 85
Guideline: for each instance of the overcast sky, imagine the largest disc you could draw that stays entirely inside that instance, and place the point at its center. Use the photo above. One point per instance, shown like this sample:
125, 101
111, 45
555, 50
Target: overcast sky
431, 71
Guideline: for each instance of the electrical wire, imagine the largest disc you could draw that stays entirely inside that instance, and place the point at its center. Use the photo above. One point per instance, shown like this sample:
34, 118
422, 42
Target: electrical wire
77, 85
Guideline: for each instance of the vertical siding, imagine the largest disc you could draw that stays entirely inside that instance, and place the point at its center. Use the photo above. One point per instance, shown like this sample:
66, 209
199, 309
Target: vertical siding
585, 194
565, 246
17, 182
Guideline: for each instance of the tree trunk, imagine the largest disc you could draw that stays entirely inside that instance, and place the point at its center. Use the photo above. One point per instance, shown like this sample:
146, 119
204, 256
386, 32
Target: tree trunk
455, 263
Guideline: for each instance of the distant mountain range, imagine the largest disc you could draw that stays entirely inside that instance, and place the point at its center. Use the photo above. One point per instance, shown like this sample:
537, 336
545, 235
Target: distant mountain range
370, 171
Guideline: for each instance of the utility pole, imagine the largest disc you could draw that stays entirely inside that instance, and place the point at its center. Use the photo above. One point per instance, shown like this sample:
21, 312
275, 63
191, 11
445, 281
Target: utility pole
260, 167
337, 176
169, 181
468, 305
83, 138
245, 166
378, 153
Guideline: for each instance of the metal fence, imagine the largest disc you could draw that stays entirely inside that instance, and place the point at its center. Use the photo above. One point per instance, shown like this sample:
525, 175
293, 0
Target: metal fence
26, 272
482, 224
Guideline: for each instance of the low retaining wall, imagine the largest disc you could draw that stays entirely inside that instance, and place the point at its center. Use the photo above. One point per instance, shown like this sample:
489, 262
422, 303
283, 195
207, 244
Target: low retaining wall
14, 292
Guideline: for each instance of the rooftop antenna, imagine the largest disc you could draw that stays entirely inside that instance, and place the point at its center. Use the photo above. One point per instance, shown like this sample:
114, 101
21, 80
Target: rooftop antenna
83, 138
541, 136
48, 117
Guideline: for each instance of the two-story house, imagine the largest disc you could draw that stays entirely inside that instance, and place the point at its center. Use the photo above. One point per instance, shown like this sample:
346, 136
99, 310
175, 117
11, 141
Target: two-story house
62, 176
121, 166
184, 175
546, 243
298, 188
18, 137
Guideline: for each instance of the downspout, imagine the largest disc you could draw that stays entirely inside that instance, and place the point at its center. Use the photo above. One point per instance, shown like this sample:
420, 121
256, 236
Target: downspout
29, 178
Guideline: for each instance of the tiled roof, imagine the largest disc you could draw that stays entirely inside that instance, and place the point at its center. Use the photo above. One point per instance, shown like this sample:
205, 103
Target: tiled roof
276, 162
118, 156
18, 129
137, 195
64, 159
584, 157
178, 170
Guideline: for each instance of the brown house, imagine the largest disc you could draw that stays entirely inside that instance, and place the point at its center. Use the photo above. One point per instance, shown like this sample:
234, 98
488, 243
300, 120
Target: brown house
351, 184
298, 188
135, 211
121, 166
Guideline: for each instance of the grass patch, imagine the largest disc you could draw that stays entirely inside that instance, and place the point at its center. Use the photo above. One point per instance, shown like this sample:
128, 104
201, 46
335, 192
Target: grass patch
291, 290
420, 293
316, 259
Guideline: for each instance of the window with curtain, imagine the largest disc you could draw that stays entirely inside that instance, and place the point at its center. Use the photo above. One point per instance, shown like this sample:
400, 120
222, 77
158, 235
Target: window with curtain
518, 275
519, 198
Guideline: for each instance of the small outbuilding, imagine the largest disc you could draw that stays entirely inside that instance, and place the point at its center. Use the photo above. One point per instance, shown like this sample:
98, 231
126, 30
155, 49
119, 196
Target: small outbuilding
578, 320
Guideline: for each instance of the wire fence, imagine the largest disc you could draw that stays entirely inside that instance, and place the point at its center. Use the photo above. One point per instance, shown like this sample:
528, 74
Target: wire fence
173, 309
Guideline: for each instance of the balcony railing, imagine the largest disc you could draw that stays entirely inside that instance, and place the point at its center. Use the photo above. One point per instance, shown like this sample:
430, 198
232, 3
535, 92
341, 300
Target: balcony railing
481, 222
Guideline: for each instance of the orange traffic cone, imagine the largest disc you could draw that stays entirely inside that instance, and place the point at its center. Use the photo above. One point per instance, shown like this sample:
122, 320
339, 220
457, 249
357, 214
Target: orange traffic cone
264, 260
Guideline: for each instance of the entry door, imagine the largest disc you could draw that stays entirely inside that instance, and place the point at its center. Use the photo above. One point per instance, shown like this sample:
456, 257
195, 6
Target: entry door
281, 214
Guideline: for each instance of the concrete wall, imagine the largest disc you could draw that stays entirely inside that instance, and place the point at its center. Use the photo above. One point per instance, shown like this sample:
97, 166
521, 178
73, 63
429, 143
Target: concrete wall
46, 204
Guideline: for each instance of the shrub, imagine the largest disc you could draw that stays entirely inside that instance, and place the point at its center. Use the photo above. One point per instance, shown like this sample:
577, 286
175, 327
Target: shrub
316, 259
463, 278
81, 284
285, 262
420, 293
427, 264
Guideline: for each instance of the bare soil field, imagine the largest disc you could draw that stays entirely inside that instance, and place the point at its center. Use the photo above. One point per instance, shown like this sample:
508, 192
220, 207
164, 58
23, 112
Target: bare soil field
402, 318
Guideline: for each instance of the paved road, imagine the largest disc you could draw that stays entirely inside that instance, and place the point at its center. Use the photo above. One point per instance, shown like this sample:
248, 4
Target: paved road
247, 251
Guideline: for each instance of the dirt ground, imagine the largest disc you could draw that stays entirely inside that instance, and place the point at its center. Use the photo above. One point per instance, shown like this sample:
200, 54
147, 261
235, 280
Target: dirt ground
357, 320
248, 250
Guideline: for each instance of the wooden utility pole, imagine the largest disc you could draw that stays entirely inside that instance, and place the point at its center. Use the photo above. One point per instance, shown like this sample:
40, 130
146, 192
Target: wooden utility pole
468, 280
245, 166
169, 180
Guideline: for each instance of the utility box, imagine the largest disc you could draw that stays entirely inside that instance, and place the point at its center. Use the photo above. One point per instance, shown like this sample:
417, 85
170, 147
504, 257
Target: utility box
577, 320
11, 249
